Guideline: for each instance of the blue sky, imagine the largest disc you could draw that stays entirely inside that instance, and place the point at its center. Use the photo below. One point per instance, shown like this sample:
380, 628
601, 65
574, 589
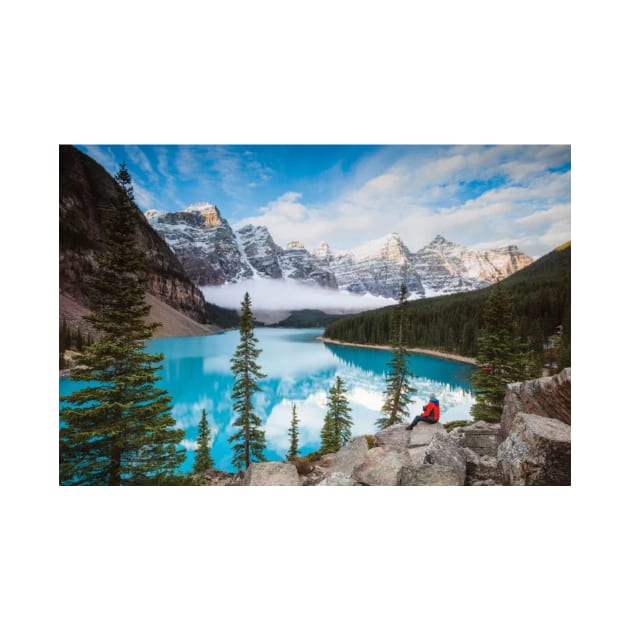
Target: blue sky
477, 196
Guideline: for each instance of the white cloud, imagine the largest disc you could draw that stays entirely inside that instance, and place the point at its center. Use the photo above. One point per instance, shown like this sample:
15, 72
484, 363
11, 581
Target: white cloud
560, 212
188, 414
138, 157
143, 197
422, 194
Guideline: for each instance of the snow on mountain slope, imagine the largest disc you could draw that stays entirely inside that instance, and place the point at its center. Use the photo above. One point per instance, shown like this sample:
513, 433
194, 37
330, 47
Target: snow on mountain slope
213, 254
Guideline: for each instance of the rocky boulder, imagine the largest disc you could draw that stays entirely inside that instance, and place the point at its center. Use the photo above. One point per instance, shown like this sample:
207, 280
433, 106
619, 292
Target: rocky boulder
481, 437
271, 474
382, 466
549, 396
429, 475
348, 457
445, 452
338, 479
423, 433
416, 455
536, 451
480, 468
396, 435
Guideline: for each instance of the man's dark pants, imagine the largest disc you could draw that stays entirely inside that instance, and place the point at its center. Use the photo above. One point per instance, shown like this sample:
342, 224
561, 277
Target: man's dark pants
421, 419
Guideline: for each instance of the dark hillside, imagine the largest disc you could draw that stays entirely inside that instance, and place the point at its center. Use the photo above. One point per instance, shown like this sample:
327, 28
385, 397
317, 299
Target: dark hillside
86, 190
308, 318
542, 301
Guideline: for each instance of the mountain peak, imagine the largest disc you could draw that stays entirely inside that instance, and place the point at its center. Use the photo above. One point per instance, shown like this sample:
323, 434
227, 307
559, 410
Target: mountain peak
210, 213
322, 250
440, 240
294, 245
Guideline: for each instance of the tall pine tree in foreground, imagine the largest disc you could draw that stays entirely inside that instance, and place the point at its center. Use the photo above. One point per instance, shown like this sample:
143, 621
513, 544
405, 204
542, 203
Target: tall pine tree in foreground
249, 439
118, 429
501, 357
337, 427
293, 434
399, 389
203, 459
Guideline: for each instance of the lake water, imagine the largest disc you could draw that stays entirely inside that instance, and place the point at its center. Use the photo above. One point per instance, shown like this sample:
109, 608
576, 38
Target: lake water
300, 369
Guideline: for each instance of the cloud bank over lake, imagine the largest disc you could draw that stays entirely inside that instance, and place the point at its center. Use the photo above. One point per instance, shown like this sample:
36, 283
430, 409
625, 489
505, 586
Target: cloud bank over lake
290, 295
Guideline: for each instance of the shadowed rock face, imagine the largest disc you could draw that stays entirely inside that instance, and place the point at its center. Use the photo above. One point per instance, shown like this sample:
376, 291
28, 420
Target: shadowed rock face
536, 452
482, 437
549, 396
535, 432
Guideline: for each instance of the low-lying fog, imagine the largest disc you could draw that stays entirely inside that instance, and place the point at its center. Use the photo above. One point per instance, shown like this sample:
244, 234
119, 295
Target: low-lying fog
272, 300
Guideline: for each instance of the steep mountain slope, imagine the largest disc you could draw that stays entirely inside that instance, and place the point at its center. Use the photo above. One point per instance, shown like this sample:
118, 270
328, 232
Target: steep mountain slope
298, 264
449, 268
378, 267
86, 190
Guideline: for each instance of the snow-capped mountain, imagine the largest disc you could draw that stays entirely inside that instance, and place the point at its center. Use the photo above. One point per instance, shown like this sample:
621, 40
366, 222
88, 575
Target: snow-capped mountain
204, 243
378, 267
212, 253
449, 268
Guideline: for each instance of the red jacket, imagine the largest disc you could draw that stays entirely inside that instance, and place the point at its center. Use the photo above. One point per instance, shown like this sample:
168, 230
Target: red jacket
432, 410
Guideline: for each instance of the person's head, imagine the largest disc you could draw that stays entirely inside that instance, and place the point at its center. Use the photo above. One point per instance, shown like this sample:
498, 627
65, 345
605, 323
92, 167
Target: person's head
431, 396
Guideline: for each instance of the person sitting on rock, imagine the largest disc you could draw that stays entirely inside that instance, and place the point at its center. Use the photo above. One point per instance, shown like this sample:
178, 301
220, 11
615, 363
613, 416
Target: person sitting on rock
430, 413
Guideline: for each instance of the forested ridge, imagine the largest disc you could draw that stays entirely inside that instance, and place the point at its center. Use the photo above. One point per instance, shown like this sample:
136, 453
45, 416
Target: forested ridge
541, 295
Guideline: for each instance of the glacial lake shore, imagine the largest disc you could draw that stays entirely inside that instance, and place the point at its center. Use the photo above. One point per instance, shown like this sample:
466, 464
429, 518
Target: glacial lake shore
433, 353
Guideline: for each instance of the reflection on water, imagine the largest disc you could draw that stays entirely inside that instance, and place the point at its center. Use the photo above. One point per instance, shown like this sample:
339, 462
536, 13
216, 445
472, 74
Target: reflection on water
301, 370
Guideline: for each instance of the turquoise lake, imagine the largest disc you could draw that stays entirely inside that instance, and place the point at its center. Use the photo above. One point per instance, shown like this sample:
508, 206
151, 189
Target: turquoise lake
300, 369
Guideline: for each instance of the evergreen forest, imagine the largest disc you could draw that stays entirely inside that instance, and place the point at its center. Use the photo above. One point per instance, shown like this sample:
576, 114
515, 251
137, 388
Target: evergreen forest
541, 297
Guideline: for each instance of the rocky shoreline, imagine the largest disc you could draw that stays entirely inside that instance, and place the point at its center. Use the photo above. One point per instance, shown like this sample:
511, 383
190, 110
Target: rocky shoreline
433, 353
531, 446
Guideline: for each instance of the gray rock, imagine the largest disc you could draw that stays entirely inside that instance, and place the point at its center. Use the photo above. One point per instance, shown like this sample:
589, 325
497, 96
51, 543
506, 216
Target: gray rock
423, 433
416, 455
444, 452
338, 479
537, 451
485, 482
481, 437
271, 474
348, 457
428, 475
480, 468
260, 250
396, 435
382, 466
549, 396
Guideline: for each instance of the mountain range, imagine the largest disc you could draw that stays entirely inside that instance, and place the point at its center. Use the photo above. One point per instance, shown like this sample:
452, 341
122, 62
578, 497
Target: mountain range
213, 253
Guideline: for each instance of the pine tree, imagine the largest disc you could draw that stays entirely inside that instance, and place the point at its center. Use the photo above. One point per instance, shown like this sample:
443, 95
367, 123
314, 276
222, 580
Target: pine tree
337, 427
501, 358
293, 434
249, 440
118, 429
203, 459
399, 389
